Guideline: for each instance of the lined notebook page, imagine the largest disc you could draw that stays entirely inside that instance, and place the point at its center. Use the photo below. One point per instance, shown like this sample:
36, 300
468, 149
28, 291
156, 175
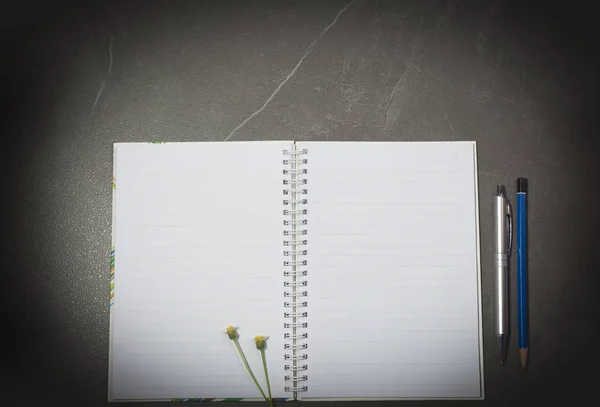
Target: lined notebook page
198, 247
393, 289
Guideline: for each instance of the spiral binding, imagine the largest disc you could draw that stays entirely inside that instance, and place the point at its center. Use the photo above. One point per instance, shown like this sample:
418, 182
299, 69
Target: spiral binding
295, 266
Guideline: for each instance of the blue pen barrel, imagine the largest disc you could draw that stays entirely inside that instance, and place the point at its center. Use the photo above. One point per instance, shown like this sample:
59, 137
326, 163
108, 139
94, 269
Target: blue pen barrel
522, 266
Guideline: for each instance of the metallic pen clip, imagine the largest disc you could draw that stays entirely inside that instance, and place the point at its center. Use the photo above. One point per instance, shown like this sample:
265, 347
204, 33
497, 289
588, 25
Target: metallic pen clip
509, 224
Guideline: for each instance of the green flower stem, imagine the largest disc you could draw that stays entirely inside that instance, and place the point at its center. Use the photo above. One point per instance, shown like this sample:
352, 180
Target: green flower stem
237, 345
264, 360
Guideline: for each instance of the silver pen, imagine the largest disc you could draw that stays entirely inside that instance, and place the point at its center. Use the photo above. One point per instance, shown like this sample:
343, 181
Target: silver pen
502, 249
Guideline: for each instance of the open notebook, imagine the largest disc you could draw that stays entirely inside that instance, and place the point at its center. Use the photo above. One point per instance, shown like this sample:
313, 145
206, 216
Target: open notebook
359, 261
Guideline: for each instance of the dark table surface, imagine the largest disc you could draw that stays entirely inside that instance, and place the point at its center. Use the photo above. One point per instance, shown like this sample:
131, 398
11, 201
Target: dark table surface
521, 80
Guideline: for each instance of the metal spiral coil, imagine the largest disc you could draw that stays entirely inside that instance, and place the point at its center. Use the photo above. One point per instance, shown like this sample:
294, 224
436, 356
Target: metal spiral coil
295, 266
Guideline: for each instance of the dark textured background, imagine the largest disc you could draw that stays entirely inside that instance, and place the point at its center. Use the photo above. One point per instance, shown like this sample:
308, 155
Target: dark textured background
521, 80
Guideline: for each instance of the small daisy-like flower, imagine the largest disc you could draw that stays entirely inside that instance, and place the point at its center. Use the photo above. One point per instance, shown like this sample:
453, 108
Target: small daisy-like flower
231, 331
261, 342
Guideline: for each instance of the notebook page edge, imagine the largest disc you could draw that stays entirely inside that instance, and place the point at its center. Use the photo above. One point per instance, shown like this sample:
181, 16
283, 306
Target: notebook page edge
111, 312
479, 295
162, 143
309, 400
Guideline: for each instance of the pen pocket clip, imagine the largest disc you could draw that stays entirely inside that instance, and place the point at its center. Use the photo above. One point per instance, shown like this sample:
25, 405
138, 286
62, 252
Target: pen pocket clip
509, 229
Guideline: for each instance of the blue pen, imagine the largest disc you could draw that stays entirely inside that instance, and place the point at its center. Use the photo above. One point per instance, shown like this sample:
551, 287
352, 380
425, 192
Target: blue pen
522, 269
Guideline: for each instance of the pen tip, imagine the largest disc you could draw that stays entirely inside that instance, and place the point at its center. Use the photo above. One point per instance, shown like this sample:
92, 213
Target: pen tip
502, 347
501, 191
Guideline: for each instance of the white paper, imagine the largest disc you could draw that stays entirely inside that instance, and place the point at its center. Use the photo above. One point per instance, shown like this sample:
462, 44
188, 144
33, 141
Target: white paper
198, 247
393, 276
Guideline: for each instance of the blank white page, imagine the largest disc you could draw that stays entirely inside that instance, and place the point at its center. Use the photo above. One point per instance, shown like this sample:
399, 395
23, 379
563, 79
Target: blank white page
393, 271
198, 247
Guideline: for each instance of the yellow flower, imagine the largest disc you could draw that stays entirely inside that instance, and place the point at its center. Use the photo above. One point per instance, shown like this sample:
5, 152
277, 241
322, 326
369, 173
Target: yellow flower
260, 341
231, 331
